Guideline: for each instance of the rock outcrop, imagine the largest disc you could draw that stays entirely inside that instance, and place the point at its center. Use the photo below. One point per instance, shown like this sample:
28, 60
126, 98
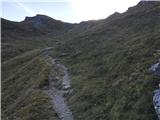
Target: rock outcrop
155, 70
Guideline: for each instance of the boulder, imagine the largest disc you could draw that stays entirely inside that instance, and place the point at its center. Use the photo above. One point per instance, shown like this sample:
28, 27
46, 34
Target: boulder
155, 69
156, 102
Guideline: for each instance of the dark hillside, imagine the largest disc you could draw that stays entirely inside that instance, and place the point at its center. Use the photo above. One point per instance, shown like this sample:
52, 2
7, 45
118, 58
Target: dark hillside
37, 25
33, 32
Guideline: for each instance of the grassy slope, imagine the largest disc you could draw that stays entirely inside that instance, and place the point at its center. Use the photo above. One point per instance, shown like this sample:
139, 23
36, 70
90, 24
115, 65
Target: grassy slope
24, 73
13, 44
19, 37
22, 96
109, 68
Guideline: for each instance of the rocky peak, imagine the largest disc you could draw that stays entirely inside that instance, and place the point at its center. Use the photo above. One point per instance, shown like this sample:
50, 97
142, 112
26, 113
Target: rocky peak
155, 69
144, 5
37, 21
37, 17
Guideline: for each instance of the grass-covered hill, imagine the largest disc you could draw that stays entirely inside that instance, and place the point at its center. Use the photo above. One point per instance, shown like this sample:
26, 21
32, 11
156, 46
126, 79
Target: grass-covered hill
108, 62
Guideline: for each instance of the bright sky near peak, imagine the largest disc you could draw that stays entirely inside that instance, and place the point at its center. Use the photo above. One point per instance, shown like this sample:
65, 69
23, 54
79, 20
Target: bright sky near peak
65, 10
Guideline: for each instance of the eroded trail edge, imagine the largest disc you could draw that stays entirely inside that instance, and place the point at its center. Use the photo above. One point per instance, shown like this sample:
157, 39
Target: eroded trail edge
59, 86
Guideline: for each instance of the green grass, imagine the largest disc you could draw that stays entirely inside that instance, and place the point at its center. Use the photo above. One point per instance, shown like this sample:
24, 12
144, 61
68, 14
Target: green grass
109, 69
23, 97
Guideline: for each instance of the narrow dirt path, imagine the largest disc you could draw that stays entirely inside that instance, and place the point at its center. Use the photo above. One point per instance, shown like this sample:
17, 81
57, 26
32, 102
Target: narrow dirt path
57, 93
66, 80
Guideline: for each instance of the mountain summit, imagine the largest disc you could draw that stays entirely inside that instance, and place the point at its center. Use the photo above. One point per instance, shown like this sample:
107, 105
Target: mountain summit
39, 21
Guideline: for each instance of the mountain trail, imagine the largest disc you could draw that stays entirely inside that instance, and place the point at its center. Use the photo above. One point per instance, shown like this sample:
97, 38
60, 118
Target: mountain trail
59, 86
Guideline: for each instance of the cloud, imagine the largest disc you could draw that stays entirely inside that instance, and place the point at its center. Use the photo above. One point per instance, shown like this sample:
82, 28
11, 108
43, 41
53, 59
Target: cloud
41, 11
27, 9
31, 1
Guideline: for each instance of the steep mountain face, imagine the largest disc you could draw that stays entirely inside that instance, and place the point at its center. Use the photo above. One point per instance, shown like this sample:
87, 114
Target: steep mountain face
108, 61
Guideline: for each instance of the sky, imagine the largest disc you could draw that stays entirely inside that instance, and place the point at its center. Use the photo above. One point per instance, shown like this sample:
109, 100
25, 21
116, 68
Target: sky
73, 11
